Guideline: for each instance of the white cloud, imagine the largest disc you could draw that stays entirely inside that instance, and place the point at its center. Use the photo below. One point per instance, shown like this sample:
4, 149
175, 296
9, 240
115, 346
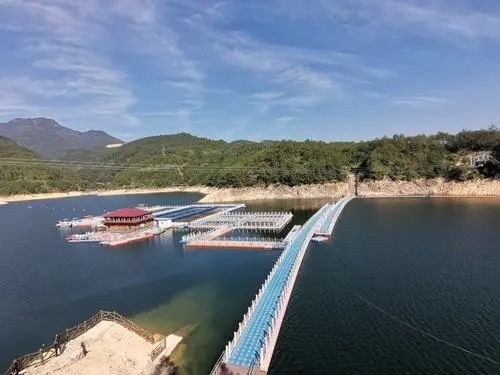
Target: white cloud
419, 101
279, 64
62, 41
69, 47
94, 63
432, 18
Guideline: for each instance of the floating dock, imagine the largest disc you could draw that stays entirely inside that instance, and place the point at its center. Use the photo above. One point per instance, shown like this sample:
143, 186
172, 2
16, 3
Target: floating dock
131, 238
180, 212
261, 221
211, 222
211, 228
252, 346
114, 238
87, 221
164, 216
211, 239
230, 243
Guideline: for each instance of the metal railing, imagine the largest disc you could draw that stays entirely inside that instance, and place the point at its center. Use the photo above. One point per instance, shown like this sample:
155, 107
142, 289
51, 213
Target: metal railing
46, 352
262, 358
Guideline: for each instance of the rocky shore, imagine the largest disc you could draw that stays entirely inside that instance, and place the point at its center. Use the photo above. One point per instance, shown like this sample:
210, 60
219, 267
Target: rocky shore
431, 187
340, 189
383, 188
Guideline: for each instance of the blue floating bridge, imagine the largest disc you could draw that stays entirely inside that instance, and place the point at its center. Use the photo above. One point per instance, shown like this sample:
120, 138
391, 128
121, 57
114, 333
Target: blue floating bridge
186, 211
253, 343
329, 220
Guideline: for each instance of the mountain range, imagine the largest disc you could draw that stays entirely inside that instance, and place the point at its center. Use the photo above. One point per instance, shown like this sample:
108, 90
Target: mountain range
48, 138
184, 159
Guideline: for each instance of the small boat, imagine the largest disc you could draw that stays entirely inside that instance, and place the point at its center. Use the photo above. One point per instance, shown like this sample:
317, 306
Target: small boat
319, 239
83, 237
65, 223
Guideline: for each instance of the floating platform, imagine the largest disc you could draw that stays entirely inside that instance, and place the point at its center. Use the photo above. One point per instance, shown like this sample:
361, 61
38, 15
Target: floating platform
261, 221
252, 345
252, 244
180, 212
128, 239
210, 221
211, 239
211, 227
115, 238
87, 221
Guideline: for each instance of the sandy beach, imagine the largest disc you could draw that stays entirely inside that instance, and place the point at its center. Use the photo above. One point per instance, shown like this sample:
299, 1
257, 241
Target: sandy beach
112, 349
30, 197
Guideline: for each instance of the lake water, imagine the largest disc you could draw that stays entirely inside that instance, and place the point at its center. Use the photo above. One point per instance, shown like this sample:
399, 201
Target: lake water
431, 263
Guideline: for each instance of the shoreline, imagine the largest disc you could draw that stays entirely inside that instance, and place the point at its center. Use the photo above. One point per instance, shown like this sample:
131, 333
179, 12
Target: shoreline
101, 193
435, 188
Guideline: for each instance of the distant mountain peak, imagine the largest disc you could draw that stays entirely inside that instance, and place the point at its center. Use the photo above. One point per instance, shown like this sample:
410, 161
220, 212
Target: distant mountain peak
49, 138
41, 121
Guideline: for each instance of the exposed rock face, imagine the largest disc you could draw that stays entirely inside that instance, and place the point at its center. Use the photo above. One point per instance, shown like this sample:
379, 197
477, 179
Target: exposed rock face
277, 192
384, 188
436, 187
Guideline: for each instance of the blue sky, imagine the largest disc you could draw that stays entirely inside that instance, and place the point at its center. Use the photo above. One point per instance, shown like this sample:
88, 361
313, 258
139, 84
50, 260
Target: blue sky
317, 69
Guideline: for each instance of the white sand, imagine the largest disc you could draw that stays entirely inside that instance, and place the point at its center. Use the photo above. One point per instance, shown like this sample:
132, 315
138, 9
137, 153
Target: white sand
112, 349
28, 197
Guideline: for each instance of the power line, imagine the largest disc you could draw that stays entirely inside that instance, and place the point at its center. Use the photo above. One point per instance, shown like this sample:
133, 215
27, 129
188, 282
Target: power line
152, 167
430, 335
205, 167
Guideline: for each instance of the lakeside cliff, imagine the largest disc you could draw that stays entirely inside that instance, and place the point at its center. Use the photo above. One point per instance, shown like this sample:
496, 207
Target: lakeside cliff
379, 188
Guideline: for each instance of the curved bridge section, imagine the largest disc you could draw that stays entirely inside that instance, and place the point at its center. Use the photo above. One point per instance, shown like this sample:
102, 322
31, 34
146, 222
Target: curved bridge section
252, 346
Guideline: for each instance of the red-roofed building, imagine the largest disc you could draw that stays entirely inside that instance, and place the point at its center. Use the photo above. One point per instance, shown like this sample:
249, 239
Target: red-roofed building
127, 218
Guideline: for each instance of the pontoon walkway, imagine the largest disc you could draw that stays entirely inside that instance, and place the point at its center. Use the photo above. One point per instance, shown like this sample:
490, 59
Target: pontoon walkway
253, 343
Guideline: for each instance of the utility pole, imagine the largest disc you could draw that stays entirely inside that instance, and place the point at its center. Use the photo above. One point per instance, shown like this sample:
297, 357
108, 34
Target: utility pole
357, 172
356, 179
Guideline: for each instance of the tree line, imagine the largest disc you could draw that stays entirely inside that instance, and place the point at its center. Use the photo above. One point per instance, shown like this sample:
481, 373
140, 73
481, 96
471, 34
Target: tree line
183, 159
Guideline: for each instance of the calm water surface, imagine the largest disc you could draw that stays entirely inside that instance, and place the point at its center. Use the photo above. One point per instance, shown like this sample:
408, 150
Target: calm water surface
432, 263
47, 285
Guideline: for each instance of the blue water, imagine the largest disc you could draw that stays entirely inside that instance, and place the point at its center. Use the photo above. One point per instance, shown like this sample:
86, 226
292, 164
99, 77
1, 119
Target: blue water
434, 263
430, 263
47, 285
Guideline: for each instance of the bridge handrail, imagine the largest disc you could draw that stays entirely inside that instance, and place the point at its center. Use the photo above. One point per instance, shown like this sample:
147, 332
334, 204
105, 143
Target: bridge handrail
258, 297
283, 295
46, 352
268, 343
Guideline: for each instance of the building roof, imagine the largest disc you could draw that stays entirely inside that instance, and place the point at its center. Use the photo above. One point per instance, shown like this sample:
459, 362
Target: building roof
127, 212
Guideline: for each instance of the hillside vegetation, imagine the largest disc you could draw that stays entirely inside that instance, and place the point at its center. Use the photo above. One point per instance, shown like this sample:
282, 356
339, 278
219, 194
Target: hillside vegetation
33, 175
183, 159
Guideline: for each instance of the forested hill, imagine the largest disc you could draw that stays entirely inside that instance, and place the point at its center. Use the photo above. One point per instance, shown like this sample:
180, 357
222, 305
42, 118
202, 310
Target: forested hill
10, 149
183, 159
22, 171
